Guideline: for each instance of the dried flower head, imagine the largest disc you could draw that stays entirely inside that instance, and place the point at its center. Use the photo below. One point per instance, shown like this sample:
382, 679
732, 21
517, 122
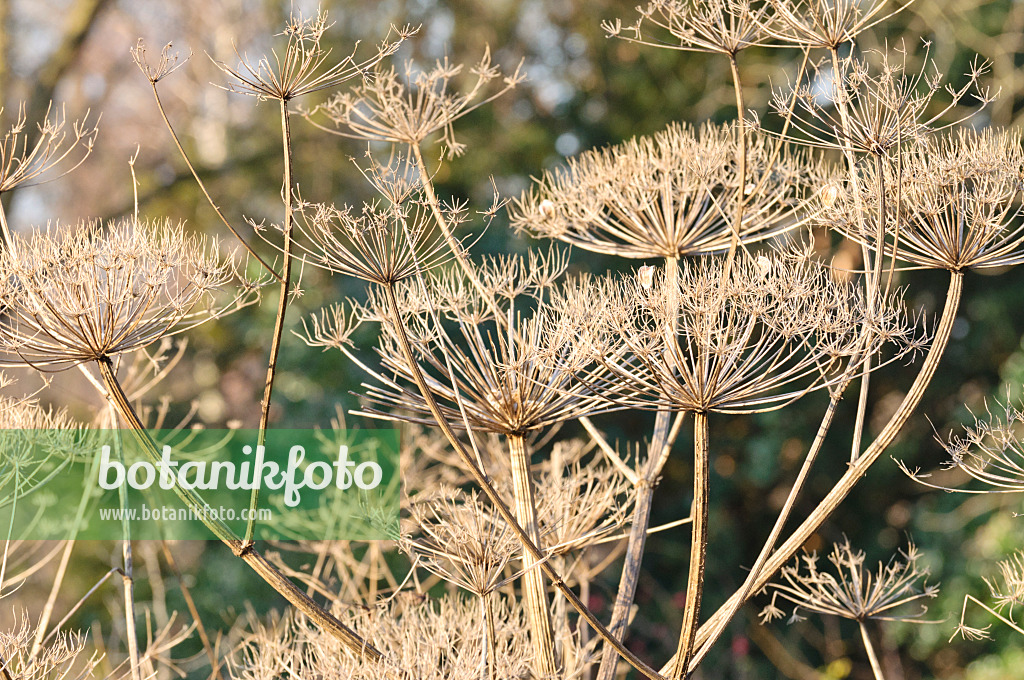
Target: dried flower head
1008, 589
35, 442
377, 243
579, 503
776, 328
86, 293
825, 23
458, 538
60, 660
720, 26
408, 108
302, 68
883, 101
990, 451
669, 195
853, 592
426, 638
511, 376
951, 203
168, 64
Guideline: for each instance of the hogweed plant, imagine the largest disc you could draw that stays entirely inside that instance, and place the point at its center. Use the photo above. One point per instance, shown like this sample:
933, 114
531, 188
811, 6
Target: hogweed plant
502, 368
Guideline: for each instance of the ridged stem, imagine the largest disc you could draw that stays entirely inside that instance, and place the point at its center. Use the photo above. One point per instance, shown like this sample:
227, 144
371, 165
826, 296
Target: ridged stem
535, 596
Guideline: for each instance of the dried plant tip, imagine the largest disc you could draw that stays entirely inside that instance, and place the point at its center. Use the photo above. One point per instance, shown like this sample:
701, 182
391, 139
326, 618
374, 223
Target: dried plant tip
668, 195
953, 203
303, 67
82, 294
851, 591
719, 26
168, 64
824, 23
409, 108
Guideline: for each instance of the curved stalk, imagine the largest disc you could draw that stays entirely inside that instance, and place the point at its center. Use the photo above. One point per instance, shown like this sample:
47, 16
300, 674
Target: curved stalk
395, 317
282, 306
271, 574
449, 237
856, 470
202, 187
698, 544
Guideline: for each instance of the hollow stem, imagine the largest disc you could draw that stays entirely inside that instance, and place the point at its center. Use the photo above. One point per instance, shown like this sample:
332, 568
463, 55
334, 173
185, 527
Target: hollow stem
698, 544
267, 571
534, 593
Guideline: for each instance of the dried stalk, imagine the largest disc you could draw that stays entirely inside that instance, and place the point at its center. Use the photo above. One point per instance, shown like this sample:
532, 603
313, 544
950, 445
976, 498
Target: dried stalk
395, 318
698, 543
267, 571
534, 593
857, 469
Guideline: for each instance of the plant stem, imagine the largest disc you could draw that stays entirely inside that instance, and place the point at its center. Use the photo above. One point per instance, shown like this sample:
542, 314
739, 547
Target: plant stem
776, 531
449, 237
534, 593
395, 318
202, 187
698, 543
282, 307
857, 469
271, 574
741, 167
661, 444
870, 648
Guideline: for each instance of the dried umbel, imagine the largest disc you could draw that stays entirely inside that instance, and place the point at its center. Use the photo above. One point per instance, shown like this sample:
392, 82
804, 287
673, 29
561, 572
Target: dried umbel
33, 442
774, 329
510, 375
876, 103
668, 195
87, 293
26, 154
376, 243
853, 592
60, 660
581, 503
444, 638
302, 68
720, 26
825, 23
409, 107
951, 203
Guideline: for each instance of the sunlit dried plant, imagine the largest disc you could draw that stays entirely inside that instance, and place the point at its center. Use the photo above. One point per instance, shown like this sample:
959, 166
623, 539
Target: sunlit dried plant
303, 67
853, 592
722, 26
825, 23
669, 195
87, 293
27, 154
952, 202
409, 107
873, 103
